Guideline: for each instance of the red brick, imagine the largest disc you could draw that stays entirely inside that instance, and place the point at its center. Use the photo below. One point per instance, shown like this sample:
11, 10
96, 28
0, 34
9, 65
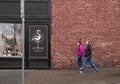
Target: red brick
97, 20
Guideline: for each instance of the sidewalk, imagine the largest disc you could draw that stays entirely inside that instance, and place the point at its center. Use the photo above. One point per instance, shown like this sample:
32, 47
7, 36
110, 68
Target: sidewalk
60, 77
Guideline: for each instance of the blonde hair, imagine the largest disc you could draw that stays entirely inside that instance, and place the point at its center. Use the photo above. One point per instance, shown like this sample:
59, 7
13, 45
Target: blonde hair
89, 41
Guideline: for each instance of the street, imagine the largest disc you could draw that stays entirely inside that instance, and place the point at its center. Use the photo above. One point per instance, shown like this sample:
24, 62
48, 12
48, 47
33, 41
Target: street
70, 76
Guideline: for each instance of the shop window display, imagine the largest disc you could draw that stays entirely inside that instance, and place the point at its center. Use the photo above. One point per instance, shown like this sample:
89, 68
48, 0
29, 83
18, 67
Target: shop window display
10, 40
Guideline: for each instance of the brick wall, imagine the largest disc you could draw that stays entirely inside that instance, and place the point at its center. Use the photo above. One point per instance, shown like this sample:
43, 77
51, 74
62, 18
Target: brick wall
97, 20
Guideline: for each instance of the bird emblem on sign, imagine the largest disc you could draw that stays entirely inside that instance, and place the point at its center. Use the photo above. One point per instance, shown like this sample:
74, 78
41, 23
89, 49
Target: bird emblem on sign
37, 36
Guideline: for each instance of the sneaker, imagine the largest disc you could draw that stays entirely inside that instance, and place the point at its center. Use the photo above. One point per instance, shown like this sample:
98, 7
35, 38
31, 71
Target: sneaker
95, 71
81, 72
80, 68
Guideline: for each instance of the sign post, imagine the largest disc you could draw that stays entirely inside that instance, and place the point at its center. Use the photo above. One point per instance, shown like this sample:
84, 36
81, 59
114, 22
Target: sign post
22, 4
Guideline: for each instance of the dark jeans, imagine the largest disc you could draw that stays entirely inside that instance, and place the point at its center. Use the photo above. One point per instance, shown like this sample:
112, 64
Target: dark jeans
79, 61
88, 59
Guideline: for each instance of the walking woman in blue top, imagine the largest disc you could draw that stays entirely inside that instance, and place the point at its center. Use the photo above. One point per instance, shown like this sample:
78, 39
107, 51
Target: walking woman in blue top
88, 57
80, 53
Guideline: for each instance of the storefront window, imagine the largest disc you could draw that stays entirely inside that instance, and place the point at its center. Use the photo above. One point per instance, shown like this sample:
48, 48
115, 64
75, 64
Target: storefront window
10, 40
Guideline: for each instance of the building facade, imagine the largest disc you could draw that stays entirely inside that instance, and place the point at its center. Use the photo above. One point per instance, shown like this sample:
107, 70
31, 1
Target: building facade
52, 30
37, 34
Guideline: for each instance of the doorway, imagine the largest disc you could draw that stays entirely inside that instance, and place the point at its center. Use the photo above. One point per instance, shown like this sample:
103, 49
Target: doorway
37, 46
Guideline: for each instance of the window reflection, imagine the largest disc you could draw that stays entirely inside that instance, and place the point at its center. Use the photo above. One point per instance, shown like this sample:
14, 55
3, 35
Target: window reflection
10, 39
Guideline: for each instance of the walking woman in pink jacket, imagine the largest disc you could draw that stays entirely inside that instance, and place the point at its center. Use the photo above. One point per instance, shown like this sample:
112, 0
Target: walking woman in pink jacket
80, 53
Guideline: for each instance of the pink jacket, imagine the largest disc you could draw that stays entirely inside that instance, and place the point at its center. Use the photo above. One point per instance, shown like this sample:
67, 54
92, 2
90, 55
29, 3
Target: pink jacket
80, 50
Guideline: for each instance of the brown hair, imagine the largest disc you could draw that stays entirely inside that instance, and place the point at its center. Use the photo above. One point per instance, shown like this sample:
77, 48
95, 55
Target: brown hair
80, 41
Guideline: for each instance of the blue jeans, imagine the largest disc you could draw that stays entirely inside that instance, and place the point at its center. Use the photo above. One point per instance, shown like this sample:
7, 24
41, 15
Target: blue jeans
79, 61
88, 59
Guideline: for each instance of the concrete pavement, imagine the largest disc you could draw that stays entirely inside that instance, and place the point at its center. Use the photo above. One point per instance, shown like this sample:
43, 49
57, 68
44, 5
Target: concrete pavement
70, 76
